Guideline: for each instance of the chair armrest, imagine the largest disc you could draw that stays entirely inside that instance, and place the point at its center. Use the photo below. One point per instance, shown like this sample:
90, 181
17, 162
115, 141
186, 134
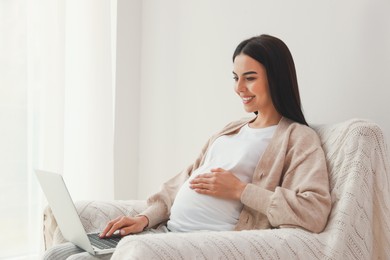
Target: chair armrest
94, 216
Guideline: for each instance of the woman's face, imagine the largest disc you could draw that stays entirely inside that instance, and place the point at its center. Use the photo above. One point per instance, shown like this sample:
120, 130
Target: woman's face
251, 84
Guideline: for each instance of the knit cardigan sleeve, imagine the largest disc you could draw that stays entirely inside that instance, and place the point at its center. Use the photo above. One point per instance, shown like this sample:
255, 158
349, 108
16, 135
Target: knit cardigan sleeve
302, 197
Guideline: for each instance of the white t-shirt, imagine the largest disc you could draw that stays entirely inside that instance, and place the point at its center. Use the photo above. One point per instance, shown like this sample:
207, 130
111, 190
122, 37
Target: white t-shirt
239, 154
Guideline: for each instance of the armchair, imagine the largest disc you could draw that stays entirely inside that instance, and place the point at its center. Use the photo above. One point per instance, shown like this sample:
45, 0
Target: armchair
358, 226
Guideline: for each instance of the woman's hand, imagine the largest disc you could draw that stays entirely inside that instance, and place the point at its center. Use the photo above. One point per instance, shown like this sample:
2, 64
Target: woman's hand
125, 225
219, 183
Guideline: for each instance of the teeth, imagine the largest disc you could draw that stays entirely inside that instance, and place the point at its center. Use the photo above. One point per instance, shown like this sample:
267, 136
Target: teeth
247, 98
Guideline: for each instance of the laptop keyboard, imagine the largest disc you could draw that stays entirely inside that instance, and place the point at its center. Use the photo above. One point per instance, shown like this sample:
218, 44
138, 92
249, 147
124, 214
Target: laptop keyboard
103, 243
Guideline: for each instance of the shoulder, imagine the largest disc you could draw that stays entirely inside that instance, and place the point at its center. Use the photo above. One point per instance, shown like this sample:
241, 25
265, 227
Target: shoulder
299, 133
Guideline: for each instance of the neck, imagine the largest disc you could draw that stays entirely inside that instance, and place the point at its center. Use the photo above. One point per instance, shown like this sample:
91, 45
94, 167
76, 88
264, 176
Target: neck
265, 120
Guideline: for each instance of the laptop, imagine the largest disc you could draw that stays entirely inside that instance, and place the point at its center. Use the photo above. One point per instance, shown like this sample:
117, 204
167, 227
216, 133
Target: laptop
68, 220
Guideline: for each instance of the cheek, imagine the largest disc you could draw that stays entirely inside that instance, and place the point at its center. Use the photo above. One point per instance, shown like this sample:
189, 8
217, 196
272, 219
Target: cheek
259, 89
254, 88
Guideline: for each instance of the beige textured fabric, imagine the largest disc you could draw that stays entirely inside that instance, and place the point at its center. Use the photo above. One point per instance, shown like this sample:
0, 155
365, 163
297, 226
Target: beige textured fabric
358, 226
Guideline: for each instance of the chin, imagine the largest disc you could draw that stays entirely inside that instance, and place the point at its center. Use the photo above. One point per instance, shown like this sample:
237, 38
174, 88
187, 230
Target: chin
250, 110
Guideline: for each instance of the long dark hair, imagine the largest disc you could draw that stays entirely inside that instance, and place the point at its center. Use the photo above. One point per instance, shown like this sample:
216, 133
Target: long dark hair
275, 56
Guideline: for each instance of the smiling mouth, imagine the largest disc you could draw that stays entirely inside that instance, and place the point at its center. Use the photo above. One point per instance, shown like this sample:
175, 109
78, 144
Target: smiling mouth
246, 100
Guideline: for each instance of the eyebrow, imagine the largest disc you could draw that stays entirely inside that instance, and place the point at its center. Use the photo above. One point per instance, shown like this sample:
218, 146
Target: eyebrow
246, 73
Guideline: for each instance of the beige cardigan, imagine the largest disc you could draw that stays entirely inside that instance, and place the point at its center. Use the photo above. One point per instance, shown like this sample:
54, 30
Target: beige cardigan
290, 185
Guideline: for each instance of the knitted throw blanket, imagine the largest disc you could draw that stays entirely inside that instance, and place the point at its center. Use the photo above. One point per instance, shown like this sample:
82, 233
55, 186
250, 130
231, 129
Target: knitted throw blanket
358, 227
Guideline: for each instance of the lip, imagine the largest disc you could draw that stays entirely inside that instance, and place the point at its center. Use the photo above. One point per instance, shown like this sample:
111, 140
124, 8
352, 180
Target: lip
247, 99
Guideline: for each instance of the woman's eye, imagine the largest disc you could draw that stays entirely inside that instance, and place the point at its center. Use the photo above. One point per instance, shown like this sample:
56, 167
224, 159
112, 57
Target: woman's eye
250, 78
235, 78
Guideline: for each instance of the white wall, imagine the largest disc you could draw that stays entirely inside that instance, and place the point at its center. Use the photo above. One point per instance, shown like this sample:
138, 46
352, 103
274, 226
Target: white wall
341, 50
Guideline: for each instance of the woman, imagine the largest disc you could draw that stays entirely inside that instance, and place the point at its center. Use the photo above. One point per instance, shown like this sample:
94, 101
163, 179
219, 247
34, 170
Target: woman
264, 172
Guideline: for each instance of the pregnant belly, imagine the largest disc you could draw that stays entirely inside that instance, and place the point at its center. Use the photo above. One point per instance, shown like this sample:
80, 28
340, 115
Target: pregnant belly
193, 211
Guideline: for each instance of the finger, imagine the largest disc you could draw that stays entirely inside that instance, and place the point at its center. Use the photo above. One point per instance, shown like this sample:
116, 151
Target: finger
114, 228
217, 170
203, 186
201, 181
198, 186
108, 226
118, 225
203, 178
204, 175
205, 192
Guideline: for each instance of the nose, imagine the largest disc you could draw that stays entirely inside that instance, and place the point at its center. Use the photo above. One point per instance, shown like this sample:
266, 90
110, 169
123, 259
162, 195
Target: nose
240, 86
